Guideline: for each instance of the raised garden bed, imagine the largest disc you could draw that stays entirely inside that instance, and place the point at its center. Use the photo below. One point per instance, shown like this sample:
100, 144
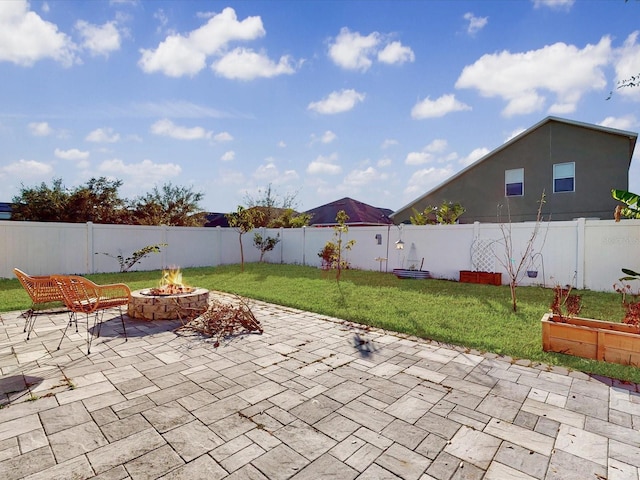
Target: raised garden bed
488, 278
595, 339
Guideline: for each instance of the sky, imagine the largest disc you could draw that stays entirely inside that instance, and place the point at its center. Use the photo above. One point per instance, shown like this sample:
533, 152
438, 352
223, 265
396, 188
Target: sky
380, 101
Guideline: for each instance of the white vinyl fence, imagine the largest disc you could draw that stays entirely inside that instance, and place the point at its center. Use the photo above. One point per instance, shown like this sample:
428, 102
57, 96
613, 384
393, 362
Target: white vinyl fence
586, 253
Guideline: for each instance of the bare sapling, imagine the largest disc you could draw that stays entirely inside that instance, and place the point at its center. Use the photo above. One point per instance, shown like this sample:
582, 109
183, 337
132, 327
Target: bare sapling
515, 264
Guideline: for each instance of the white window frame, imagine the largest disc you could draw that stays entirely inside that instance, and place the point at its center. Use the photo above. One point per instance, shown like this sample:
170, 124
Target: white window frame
512, 177
556, 176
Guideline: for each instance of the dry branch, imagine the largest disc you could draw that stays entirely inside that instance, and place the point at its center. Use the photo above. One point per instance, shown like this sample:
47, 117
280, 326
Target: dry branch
220, 320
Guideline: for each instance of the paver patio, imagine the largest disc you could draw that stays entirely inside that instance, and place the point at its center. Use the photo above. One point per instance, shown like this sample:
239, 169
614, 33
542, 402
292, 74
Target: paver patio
310, 398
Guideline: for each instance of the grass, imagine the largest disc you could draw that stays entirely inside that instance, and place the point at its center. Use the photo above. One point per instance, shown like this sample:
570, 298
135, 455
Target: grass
474, 316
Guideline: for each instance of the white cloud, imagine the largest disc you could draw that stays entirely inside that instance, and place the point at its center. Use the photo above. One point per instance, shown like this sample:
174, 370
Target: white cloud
328, 137
228, 156
245, 64
389, 142
28, 168
424, 180
476, 154
103, 135
475, 23
367, 176
436, 146
439, 107
555, 4
352, 50
627, 65
270, 172
143, 174
167, 128
223, 137
180, 55
99, 39
282, 144
40, 129
396, 53
628, 122
324, 165
71, 154
26, 38
521, 79
427, 154
384, 162
337, 102
418, 158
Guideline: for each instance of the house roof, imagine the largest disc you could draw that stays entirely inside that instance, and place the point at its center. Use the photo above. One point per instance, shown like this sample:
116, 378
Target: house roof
359, 213
216, 220
632, 136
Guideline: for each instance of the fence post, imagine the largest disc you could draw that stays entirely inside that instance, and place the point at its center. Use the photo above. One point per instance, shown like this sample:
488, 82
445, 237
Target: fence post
580, 252
90, 266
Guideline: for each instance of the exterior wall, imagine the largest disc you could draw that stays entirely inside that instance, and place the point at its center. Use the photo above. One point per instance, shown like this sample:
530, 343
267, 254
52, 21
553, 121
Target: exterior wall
585, 253
601, 164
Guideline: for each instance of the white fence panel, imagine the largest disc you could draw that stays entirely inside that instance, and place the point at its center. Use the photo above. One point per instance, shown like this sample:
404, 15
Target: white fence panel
43, 248
609, 247
584, 253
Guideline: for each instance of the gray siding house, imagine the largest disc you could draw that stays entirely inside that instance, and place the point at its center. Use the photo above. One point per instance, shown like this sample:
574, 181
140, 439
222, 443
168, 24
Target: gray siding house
575, 164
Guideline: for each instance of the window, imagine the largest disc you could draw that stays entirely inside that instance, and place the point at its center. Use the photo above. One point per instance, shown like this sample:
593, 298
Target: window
514, 182
564, 177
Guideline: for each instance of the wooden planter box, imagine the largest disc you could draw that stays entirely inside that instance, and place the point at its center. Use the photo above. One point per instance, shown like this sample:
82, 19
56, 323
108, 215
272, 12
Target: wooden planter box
595, 339
488, 278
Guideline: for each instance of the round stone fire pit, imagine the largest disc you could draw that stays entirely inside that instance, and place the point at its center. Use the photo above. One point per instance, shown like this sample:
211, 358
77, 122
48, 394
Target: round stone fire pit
145, 306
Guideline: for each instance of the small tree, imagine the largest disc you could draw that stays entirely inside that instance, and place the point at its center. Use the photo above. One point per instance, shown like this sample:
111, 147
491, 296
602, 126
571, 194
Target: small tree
243, 220
337, 247
516, 264
265, 244
138, 255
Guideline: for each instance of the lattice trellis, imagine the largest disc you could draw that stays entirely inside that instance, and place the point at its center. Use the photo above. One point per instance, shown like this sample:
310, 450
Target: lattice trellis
483, 257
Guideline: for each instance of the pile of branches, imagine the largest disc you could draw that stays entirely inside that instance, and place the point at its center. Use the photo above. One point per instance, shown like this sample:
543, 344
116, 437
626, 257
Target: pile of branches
221, 320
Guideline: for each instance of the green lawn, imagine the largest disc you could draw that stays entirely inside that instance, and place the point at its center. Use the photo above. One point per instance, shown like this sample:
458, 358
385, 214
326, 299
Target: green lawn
475, 316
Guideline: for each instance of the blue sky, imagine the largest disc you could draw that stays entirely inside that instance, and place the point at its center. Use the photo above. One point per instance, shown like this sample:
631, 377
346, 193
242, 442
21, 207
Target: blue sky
376, 100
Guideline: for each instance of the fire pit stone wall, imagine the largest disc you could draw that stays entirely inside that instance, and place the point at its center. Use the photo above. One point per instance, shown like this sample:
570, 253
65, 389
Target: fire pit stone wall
143, 306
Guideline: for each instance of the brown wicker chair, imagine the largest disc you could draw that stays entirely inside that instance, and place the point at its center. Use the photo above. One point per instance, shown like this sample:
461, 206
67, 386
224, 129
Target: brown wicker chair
81, 295
43, 291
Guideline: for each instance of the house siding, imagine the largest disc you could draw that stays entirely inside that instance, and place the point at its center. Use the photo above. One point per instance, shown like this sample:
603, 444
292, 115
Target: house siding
601, 158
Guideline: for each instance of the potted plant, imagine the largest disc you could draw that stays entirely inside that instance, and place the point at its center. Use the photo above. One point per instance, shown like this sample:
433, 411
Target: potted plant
616, 342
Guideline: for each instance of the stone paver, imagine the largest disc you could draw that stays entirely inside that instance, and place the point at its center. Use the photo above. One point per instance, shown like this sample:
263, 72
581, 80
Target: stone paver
303, 400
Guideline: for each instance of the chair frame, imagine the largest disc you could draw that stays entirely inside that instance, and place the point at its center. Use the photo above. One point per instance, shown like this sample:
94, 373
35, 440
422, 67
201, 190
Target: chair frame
81, 295
42, 290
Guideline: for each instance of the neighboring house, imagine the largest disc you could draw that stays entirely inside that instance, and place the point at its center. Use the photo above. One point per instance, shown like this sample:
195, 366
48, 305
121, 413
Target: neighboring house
360, 214
575, 164
216, 220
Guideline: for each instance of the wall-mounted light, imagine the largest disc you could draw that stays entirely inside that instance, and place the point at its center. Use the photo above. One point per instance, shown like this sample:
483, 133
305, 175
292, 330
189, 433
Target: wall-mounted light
379, 238
399, 245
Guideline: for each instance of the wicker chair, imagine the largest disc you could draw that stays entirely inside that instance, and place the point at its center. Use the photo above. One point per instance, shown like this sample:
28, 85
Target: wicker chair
81, 295
43, 291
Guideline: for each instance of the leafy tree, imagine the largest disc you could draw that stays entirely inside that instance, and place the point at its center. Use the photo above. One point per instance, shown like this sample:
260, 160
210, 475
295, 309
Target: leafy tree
271, 204
265, 244
243, 220
446, 214
97, 201
169, 205
42, 203
289, 219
